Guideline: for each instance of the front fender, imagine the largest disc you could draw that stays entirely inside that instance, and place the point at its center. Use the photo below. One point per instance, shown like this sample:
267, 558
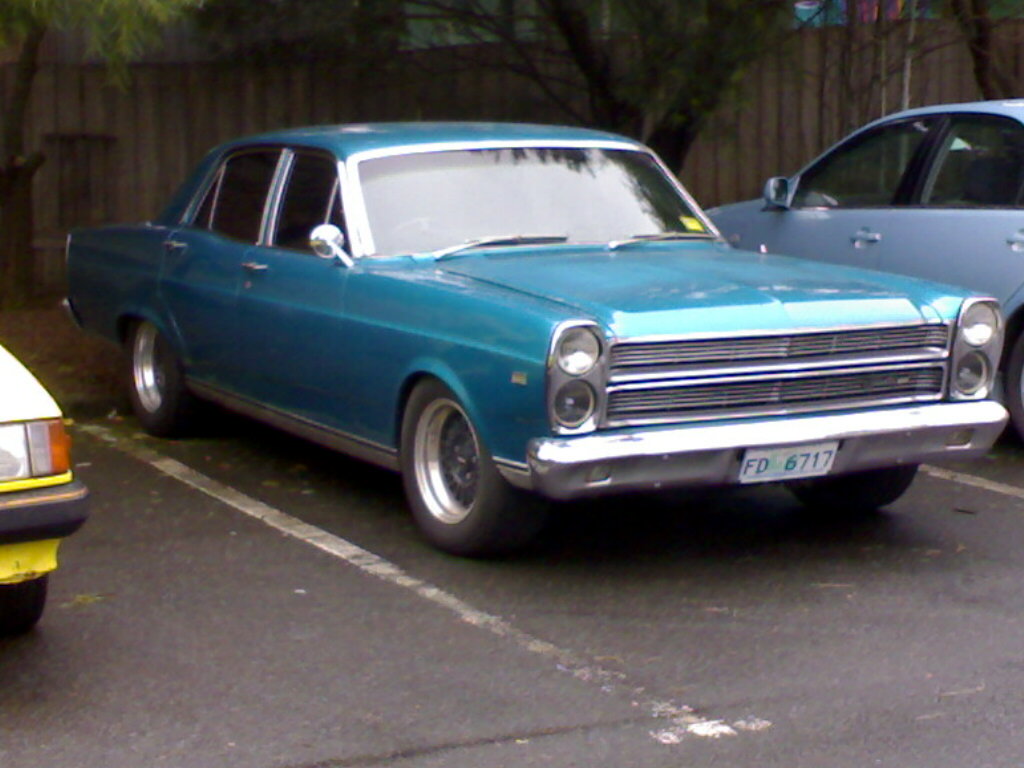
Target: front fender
504, 398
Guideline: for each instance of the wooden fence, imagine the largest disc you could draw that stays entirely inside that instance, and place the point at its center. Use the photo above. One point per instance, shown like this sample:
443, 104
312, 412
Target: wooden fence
118, 154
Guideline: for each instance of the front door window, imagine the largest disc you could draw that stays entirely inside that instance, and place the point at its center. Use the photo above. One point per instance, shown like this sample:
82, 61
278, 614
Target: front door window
865, 172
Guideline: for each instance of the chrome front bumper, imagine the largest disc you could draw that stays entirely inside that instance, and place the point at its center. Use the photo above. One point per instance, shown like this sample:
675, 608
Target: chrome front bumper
710, 454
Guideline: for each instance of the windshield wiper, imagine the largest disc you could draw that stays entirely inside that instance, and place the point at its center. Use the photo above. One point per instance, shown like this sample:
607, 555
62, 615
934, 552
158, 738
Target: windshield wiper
657, 237
483, 242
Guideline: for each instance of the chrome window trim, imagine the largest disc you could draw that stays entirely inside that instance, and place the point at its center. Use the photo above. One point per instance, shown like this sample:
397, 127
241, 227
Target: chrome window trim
217, 177
354, 207
187, 218
283, 158
360, 221
280, 186
272, 204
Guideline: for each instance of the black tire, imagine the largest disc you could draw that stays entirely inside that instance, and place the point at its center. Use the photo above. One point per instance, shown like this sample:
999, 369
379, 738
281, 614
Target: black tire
156, 383
858, 493
21, 606
1013, 381
460, 502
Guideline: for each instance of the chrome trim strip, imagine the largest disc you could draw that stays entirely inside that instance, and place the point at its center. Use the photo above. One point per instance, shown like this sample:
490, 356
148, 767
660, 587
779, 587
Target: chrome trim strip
65, 492
774, 375
768, 412
187, 218
457, 146
272, 206
819, 364
754, 434
762, 332
710, 454
69, 310
515, 473
360, 448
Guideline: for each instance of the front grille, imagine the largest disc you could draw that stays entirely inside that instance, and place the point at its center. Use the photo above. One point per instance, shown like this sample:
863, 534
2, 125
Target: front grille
662, 381
785, 347
640, 403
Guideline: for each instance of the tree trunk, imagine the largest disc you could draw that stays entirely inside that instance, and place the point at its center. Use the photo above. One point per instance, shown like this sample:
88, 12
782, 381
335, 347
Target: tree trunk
17, 170
975, 21
17, 283
673, 142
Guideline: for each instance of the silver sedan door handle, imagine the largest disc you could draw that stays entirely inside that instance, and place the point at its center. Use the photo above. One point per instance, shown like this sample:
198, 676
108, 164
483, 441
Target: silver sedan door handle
253, 266
863, 237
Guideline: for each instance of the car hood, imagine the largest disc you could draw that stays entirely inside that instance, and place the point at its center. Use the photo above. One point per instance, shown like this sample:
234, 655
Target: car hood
657, 289
24, 397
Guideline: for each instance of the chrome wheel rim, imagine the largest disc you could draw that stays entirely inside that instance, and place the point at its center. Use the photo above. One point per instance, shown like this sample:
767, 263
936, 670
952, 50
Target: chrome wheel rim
147, 373
446, 457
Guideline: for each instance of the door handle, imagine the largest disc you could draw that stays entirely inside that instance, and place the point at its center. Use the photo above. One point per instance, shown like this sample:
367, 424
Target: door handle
1016, 241
174, 245
253, 266
864, 237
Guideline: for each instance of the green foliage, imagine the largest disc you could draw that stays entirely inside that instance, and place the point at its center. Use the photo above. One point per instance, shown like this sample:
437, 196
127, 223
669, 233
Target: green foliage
651, 68
115, 30
300, 29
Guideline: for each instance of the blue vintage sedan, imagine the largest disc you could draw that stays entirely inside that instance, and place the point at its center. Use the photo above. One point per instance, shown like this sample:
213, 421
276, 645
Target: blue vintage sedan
936, 193
509, 312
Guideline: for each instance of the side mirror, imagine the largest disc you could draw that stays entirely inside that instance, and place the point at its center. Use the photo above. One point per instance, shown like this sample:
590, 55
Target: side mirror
778, 193
328, 242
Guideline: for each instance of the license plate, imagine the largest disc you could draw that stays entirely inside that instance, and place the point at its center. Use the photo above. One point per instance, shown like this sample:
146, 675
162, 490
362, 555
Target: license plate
762, 465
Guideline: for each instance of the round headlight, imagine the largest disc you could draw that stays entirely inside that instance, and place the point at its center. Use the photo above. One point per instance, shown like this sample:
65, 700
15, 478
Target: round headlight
971, 373
578, 351
574, 404
979, 324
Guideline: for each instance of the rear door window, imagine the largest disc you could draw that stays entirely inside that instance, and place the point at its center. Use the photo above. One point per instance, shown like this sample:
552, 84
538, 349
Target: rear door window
980, 164
235, 203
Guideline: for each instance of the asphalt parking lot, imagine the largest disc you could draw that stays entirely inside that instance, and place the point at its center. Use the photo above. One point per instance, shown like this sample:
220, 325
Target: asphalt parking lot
246, 599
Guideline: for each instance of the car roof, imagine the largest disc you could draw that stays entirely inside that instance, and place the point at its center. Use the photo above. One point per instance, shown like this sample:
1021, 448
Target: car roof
350, 139
1013, 108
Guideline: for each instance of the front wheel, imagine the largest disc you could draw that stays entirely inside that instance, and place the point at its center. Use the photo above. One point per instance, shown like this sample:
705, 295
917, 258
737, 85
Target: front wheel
859, 492
21, 606
459, 501
156, 383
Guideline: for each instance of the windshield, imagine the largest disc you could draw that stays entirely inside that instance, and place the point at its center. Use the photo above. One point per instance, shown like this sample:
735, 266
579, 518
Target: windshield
435, 200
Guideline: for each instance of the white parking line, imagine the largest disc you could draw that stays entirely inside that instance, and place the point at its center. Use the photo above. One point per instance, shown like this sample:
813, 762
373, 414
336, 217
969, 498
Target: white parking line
975, 481
681, 721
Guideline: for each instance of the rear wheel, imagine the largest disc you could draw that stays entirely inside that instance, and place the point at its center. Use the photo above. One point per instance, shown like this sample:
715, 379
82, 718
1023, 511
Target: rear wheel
21, 606
156, 383
859, 492
460, 502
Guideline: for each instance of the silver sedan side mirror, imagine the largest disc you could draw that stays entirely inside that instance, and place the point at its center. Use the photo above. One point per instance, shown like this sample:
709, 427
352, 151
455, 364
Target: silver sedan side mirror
328, 242
778, 192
